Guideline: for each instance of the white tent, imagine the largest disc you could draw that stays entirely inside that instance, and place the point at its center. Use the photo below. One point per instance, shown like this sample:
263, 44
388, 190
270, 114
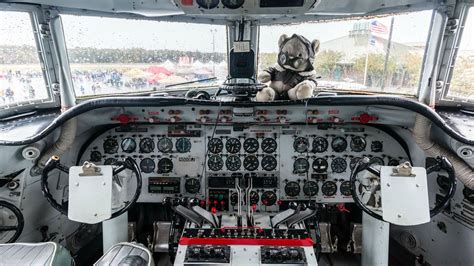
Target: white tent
168, 65
198, 64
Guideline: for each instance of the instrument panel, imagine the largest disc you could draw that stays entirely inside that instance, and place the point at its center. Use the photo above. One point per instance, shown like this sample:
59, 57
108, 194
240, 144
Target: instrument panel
283, 162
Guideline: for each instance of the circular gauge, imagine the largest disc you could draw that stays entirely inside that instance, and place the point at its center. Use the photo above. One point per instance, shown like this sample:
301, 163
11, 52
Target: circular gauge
165, 165
269, 163
96, 156
468, 194
338, 165
329, 188
215, 145
358, 144
128, 145
234, 198
183, 145
207, 4
233, 4
292, 189
320, 144
251, 163
310, 188
353, 162
233, 145
192, 185
215, 162
339, 144
110, 161
233, 163
376, 146
165, 145
301, 144
301, 165
320, 165
254, 197
147, 165
110, 146
377, 161
251, 145
269, 198
269, 145
146, 145
345, 188
393, 162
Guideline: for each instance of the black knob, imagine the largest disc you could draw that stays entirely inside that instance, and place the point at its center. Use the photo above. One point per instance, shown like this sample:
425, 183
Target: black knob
194, 202
294, 253
292, 205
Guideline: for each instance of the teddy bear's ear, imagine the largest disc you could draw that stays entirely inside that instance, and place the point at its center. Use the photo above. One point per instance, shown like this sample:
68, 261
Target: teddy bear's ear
315, 45
282, 39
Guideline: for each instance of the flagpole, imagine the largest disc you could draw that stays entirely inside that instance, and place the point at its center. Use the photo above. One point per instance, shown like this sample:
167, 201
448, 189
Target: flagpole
387, 54
366, 67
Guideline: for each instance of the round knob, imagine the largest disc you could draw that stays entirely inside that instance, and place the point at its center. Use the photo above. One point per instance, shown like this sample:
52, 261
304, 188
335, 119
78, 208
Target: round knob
294, 253
292, 205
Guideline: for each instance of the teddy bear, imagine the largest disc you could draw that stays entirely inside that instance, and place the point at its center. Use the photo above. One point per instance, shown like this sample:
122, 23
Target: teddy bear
293, 77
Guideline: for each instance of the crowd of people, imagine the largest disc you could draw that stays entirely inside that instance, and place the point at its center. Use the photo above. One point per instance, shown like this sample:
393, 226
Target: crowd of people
20, 86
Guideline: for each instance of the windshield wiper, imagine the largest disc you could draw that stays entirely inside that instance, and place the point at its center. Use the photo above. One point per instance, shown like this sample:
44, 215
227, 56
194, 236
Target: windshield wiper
190, 82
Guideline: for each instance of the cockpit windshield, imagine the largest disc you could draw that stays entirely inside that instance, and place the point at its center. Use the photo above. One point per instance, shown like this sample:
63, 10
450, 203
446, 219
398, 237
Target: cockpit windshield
115, 55
381, 54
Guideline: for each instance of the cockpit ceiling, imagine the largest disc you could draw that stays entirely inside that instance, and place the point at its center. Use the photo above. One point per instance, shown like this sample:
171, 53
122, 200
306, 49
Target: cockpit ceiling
189, 10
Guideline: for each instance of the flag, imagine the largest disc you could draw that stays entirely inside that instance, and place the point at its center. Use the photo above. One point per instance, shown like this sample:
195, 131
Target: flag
376, 43
377, 27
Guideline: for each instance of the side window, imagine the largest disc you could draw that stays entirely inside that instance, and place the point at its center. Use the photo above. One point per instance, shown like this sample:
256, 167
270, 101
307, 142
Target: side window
461, 85
21, 76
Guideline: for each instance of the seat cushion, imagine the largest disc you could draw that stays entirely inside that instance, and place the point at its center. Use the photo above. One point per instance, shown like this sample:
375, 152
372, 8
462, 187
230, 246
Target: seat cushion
126, 254
47, 253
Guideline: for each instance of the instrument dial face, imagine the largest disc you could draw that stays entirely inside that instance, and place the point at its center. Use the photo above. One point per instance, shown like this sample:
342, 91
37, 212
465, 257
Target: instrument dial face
269, 145
233, 163
320, 144
320, 165
207, 4
192, 185
393, 162
269, 198
165, 145
128, 145
251, 145
146, 145
310, 188
377, 161
254, 197
329, 188
301, 144
215, 162
233, 145
376, 146
345, 188
353, 162
110, 146
269, 163
96, 156
358, 144
165, 165
301, 165
233, 4
339, 144
183, 145
292, 189
215, 145
234, 199
338, 165
110, 161
251, 163
147, 165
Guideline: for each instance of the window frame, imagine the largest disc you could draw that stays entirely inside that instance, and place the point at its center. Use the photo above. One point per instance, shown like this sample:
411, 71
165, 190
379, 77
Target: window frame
46, 57
449, 56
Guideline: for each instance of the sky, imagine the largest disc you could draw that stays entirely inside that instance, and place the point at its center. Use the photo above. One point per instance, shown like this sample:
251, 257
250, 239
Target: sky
120, 33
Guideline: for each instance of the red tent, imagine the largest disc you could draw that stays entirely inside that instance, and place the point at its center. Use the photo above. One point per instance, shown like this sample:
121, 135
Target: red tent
159, 70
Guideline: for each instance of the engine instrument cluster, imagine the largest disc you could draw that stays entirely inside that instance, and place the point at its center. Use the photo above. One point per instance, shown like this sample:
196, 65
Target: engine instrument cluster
293, 162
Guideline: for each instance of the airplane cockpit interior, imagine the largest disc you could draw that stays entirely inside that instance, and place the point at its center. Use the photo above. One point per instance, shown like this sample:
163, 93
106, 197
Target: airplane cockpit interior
237, 132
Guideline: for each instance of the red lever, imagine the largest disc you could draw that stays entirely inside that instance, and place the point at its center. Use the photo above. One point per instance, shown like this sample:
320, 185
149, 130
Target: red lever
342, 208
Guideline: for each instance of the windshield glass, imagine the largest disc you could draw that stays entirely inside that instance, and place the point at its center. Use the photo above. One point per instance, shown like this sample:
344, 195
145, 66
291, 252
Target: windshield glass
382, 54
460, 86
21, 76
112, 55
